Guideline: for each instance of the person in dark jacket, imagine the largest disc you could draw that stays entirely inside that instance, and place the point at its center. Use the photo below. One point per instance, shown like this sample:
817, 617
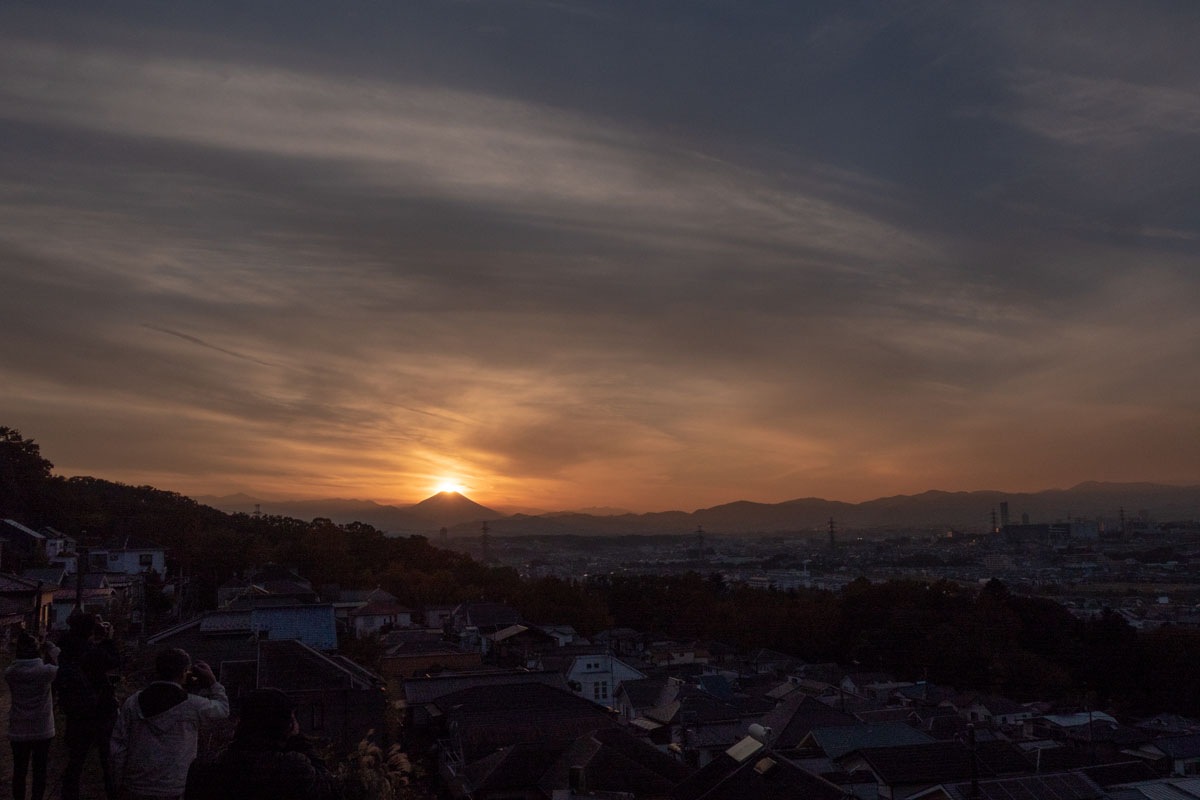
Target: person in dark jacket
267, 759
86, 697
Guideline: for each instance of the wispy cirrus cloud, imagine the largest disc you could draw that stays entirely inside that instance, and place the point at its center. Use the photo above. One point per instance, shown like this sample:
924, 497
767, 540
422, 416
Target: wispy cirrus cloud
230, 270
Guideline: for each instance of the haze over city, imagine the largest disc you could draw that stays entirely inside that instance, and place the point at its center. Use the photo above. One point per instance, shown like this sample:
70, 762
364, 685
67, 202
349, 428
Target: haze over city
562, 255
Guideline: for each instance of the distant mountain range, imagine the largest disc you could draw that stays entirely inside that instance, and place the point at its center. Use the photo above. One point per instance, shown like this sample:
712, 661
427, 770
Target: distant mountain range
933, 509
445, 509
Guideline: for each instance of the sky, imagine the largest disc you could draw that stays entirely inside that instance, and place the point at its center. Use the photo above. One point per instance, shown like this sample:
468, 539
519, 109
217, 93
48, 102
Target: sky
640, 254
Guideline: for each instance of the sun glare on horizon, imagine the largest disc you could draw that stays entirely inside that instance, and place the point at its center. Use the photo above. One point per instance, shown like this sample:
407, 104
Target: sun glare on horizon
449, 486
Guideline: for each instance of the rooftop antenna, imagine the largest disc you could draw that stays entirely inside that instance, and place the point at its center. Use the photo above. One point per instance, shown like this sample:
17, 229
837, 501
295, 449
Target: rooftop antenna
257, 510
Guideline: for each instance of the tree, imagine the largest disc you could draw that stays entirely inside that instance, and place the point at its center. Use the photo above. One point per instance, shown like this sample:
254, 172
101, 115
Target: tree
23, 472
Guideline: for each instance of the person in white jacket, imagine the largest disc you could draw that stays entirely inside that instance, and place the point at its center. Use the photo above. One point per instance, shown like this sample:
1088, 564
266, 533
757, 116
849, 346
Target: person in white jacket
31, 713
158, 729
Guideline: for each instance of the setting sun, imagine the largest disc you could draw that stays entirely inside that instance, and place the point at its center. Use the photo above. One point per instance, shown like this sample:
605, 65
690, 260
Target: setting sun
449, 486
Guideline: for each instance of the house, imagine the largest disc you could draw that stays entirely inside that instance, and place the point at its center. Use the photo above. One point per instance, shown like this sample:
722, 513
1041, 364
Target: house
60, 547
30, 600
96, 596
271, 580
673, 654
21, 545
635, 697
750, 769
904, 770
625, 642
859, 682
1181, 753
764, 661
996, 710
335, 698
381, 612
518, 645
130, 555
595, 677
412, 653
50, 576
230, 635
477, 722
606, 762
1053, 786
1160, 789
563, 634
485, 617
838, 740
697, 725
438, 616
422, 694
793, 719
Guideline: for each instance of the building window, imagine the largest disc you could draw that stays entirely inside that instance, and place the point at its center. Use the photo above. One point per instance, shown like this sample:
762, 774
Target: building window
595, 691
114, 556
604, 690
146, 560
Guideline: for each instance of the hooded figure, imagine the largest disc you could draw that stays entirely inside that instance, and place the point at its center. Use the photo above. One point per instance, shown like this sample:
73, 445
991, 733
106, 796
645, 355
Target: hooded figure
267, 759
158, 730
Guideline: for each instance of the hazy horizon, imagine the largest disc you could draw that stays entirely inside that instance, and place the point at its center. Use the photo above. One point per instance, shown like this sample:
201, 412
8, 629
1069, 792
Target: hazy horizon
569, 253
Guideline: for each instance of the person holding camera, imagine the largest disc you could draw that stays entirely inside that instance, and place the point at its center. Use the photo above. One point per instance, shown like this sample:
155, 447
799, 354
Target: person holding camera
31, 712
158, 729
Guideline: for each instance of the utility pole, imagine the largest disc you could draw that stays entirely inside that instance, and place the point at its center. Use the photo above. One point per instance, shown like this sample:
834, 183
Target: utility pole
81, 571
485, 543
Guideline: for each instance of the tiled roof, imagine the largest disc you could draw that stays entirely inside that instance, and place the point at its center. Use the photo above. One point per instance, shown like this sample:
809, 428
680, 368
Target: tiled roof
839, 740
50, 576
380, 607
1120, 772
931, 762
797, 716
1180, 747
615, 761
643, 692
1059, 786
418, 691
762, 775
19, 528
15, 583
126, 543
292, 665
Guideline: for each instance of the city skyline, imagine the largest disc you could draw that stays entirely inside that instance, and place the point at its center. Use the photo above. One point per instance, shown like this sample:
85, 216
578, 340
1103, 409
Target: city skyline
569, 254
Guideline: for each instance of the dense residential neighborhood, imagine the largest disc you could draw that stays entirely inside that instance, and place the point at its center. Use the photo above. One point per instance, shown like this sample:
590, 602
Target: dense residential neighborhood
501, 706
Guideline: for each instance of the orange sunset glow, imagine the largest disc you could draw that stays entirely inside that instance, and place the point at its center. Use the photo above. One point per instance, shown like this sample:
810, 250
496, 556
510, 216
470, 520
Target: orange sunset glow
414, 251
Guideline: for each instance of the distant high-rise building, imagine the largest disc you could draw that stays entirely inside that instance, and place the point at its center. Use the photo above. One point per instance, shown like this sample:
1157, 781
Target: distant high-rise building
1024, 517
832, 534
1004, 514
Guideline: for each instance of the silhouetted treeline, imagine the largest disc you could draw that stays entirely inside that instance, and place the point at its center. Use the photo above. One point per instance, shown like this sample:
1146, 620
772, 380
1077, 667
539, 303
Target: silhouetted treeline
985, 639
